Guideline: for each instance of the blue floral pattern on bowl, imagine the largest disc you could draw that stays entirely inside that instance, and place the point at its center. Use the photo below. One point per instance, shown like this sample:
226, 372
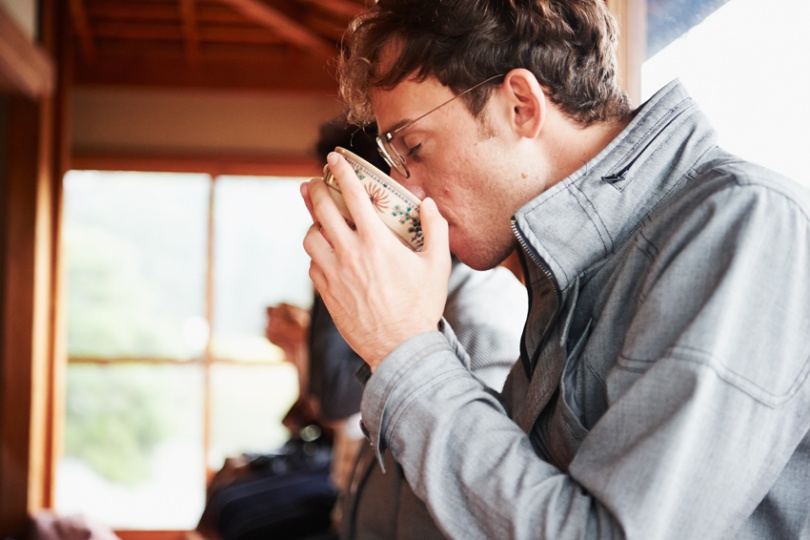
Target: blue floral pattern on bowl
397, 207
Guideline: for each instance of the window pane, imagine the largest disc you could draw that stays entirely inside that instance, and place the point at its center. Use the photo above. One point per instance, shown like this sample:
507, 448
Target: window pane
136, 251
248, 404
133, 446
259, 260
745, 63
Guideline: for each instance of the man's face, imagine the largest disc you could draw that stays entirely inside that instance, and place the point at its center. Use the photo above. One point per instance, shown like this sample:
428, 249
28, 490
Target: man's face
461, 162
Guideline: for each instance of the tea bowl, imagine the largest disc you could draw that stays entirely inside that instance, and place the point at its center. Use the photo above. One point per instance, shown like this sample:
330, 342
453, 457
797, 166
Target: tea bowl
397, 207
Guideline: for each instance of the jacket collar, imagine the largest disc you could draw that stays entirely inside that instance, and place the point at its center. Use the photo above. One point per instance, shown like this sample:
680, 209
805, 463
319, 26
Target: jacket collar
586, 217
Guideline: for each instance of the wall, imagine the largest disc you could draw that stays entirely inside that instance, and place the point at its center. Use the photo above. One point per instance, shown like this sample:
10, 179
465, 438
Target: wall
113, 120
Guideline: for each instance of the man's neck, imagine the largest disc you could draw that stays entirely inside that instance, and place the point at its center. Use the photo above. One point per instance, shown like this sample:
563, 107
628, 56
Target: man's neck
573, 145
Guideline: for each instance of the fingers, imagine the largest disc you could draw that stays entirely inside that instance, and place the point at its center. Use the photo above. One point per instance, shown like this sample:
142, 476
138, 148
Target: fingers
435, 230
305, 196
363, 214
320, 251
347, 264
318, 201
330, 236
317, 277
325, 212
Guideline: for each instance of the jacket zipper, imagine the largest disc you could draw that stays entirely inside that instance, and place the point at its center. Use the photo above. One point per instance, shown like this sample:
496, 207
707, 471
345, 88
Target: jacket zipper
528, 365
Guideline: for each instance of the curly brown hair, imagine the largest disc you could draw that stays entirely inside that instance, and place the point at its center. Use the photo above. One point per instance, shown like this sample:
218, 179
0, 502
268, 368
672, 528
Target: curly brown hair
569, 45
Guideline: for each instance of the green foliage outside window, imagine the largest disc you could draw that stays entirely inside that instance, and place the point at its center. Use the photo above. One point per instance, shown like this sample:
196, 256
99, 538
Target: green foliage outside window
111, 304
116, 416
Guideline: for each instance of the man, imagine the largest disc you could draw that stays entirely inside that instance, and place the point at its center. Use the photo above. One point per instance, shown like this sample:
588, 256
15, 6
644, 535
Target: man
663, 386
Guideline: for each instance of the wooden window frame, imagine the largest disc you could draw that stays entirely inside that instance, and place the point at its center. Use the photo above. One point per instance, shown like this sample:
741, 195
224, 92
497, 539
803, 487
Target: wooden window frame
32, 97
632, 18
214, 168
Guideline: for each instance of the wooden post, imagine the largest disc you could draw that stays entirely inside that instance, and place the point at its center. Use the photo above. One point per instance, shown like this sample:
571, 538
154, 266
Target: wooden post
26, 276
632, 18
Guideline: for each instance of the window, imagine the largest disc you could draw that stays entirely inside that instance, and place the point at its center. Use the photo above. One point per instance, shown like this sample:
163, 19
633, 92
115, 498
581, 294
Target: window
744, 62
168, 277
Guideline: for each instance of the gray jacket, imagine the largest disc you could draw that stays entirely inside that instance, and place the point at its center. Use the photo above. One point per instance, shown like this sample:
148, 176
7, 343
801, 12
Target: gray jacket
483, 316
663, 385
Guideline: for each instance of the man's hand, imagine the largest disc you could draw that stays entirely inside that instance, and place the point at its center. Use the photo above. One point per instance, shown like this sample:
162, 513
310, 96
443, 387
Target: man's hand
378, 291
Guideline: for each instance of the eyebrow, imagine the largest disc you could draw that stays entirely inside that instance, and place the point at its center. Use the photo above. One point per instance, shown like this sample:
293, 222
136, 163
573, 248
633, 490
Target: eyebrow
395, 127
407, 121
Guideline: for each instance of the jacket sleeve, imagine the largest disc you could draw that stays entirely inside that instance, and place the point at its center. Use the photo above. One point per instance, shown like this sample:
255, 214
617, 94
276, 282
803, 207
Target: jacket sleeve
707, 402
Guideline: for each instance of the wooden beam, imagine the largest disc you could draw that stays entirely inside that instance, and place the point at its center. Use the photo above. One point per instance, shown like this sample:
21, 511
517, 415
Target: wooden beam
328, 27
81, 24
137, 31
190, 31
246, 165
161, 12
216, 54
226, 71
171, 32
241, 35
135, 12
341, 8
218, 14
25, 68
287, 28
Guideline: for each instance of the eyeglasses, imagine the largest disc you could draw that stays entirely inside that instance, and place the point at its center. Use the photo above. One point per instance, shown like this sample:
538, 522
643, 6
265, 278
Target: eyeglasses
385, 142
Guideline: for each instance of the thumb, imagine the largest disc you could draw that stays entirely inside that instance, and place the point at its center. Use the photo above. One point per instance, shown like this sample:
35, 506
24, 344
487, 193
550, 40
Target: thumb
434, 228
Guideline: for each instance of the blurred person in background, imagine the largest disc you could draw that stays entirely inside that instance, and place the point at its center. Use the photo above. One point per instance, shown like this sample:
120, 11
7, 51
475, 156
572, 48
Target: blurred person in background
482, 317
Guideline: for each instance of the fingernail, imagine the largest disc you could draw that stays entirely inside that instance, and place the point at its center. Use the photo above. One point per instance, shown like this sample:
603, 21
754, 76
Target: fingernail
332, 158
429, 204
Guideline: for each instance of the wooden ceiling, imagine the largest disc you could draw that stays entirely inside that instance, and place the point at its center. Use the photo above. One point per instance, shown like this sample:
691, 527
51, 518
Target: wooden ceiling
267, 45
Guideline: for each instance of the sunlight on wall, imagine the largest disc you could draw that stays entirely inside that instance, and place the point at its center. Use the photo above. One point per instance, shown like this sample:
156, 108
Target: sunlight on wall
746, 66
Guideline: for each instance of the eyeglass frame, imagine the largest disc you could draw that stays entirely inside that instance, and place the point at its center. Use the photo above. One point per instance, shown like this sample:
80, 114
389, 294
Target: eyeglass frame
386, 140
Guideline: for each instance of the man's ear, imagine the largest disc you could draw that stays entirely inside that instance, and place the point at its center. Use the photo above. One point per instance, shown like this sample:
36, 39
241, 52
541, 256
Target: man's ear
528, 102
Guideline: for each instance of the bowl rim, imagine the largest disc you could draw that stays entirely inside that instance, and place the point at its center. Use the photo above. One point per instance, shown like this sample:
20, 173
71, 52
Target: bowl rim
349, 155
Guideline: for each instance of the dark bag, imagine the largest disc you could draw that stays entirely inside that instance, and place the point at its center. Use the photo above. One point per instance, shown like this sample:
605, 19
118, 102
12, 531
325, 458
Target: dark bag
281, 495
